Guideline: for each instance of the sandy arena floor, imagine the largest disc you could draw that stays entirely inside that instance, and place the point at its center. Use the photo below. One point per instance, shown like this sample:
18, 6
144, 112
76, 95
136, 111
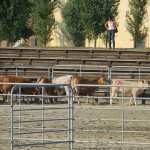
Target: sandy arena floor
95, 126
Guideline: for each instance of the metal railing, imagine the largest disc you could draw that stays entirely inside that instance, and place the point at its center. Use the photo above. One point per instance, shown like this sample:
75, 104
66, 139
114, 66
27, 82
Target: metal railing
78, 120
91, 125
24, 120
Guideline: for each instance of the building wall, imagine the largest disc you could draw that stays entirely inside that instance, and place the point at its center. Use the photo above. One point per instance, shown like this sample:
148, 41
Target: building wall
123, 38
57, 36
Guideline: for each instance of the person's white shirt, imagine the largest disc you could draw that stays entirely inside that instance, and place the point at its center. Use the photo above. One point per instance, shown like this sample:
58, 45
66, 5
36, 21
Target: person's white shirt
111, 25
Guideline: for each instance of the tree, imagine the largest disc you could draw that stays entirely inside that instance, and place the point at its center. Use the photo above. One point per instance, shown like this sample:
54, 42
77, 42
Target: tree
86, 18
72, 16
43, 19
14, 15
95, 14
26, 32
135, 18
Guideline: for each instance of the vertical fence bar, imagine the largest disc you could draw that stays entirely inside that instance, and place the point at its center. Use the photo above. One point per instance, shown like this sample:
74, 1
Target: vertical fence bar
19, 112
81, 70
139, 73
42, 114
16, 70
12, 115
49, 74
69, 118
72, 117
122, 114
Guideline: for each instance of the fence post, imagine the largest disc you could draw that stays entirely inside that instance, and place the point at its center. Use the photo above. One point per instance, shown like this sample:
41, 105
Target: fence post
70, 118
12, 137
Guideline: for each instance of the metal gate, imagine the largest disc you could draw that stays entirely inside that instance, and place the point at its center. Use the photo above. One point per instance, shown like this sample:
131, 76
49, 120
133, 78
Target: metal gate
38, 125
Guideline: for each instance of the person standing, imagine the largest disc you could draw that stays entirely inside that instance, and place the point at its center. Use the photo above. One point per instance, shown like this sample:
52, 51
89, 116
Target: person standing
111, 27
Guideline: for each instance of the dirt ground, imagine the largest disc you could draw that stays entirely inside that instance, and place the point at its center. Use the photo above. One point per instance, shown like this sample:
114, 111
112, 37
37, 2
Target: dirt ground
96, 126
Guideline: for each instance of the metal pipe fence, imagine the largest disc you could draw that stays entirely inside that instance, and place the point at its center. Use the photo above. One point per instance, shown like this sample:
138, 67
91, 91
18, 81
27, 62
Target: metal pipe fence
119, 126
131, 71
81, 70
75, 126
123, 72
28, 123
21, 69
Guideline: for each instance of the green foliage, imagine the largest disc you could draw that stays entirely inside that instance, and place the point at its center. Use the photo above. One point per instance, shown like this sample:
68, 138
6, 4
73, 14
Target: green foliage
44, 21
86, 18
13, 18
26, 32
72, 16
135, 18
96, 13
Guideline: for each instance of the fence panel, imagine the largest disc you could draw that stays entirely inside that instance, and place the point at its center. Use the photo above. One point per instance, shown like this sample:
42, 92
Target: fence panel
67, 126
81, 70
42, 124
117, 126
129, 72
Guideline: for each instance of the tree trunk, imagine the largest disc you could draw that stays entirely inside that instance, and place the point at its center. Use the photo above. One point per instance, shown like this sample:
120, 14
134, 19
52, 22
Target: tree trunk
106, 41
135, 44
95, 42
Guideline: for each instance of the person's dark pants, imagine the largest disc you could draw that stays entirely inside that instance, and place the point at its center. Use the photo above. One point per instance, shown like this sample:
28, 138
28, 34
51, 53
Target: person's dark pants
111, 37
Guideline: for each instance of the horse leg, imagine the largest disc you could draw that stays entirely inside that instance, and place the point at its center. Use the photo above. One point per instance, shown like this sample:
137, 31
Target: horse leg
111, 97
